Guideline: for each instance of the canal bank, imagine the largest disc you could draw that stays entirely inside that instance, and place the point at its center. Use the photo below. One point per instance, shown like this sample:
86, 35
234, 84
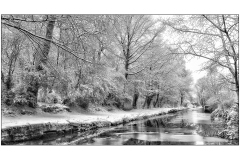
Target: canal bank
17, 129
189, 127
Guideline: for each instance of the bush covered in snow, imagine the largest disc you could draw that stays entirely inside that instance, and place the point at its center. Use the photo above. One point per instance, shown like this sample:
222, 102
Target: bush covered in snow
53, 97
230, 117
56, 108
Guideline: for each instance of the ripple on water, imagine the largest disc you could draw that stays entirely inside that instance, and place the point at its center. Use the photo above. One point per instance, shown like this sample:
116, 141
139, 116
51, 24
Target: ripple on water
192, 127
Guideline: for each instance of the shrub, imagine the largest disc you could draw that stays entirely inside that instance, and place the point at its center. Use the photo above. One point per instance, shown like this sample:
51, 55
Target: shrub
67, 101
231, 118
24, 97
20, 100
9, 98
212, 104
123, 101
227, 104
222, 109
112, 100
27, 88
126, 102
82, 102
48, 96
53, 97
61, 87
217, 113
3, 92
76, 99
55, 108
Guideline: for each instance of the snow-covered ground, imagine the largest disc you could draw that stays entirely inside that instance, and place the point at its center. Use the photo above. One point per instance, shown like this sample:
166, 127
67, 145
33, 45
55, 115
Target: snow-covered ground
75, 117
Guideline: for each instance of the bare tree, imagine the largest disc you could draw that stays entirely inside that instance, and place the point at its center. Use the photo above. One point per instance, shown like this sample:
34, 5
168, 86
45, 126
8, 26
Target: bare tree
213, 37
9, 56
135, 34
42, 50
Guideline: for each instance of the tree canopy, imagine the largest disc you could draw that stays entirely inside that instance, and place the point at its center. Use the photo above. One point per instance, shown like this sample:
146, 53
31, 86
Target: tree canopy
120, 60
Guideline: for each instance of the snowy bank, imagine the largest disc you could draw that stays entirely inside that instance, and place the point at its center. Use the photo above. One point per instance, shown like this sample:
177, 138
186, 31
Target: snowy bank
35, 127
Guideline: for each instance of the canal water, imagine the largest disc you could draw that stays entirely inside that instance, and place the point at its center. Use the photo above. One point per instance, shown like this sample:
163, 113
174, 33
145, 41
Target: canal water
190, 127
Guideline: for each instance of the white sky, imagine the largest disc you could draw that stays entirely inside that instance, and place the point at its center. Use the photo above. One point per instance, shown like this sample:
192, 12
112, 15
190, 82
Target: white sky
192, 64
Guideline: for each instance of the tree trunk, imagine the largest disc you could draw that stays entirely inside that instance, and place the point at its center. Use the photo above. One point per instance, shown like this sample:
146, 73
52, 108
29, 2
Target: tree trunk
2, 77
42, 58
148, 100
58, 50
160, 102
9, 82
181, 100
135, 98
126, 68
157, 101
236, 81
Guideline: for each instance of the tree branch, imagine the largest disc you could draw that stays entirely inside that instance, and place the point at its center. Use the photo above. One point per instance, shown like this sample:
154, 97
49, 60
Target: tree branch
213, 23
42, 38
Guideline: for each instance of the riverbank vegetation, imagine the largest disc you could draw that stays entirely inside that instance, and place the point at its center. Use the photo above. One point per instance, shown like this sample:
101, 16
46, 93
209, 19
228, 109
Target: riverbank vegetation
81, 61
215, 39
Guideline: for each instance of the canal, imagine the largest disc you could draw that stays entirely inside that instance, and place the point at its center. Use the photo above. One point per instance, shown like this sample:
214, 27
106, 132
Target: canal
189, 127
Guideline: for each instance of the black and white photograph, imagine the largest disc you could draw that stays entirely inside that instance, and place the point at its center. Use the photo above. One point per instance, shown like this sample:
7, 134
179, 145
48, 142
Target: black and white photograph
120, 79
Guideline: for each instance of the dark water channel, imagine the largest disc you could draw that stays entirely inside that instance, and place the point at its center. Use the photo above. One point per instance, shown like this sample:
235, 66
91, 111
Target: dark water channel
191, 127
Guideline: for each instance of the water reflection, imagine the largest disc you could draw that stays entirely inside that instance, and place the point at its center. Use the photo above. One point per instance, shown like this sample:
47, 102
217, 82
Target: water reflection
187, 128
192, 127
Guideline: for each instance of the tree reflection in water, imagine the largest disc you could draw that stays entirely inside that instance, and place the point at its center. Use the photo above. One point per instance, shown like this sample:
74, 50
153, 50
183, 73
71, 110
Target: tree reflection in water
177, 129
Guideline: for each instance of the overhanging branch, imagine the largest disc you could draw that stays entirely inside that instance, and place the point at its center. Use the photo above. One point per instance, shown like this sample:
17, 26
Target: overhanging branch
42, 38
